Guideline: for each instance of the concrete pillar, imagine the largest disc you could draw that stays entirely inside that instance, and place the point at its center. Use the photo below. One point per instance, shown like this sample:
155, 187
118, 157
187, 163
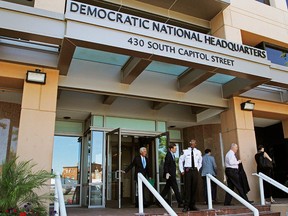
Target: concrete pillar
285, 128
237, 126
51, 5
37, 121
280, 4
221, 26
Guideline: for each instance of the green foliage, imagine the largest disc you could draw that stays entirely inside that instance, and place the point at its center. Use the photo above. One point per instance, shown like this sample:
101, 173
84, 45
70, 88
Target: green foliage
284, 55
18, 183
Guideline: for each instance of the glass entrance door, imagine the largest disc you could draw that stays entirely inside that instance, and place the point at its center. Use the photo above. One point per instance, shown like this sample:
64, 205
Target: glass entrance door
162, 141
113, 169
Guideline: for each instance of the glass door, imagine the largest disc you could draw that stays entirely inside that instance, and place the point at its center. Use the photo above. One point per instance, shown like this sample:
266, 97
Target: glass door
162, 142
113, 169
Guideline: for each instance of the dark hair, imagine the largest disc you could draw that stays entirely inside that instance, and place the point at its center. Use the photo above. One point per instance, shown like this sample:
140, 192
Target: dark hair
207, 151
260, 147
171, 145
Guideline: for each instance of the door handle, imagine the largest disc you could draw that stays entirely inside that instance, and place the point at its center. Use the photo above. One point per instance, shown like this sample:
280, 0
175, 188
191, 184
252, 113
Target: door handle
117, 173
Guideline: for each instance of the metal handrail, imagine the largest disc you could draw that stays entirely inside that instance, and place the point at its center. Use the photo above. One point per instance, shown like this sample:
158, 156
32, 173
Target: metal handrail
209, 177
142, 179
59, 198
270, 181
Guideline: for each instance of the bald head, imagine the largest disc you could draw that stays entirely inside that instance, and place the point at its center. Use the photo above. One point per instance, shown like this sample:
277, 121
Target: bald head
234, 147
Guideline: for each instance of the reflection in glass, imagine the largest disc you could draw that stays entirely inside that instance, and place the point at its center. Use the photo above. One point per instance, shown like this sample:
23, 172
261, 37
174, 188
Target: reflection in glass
96, 157
96, 195
276, 56
66, 162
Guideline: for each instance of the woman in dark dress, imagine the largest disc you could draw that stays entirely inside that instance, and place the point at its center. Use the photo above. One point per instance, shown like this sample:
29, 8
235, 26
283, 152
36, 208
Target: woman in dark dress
263, 168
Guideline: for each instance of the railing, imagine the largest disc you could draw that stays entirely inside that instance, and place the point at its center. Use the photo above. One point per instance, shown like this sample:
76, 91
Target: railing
270, 181
209, 177
59, 198
142, 179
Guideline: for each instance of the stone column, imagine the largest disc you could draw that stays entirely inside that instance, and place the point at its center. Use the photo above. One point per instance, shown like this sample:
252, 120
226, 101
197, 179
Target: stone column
237, 126
37, 121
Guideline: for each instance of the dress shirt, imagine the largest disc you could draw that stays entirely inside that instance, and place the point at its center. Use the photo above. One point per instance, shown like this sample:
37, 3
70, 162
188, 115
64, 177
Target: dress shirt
185, 159
208, 165
231, 160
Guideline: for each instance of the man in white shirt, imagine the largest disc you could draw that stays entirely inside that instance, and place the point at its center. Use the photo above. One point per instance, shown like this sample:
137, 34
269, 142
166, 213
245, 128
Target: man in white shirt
189, 164
232, 174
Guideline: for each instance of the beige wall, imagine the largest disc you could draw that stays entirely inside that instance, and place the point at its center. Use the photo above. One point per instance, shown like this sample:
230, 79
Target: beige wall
207, 136
237, 126
38, 112
51, 5
254, 22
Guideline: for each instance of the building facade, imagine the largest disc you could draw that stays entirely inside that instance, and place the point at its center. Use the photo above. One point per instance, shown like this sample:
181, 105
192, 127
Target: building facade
119, 75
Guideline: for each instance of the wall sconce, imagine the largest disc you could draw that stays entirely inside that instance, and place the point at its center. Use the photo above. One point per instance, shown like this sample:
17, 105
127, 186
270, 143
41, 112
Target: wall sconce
248, 105
36, 77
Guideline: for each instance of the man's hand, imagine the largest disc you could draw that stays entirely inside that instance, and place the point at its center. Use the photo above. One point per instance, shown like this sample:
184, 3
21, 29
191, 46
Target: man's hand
239, 161
182, 173
167, 175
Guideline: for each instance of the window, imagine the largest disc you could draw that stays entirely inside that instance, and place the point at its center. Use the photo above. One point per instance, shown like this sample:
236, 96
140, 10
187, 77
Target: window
267, 2
277, 55
66, 162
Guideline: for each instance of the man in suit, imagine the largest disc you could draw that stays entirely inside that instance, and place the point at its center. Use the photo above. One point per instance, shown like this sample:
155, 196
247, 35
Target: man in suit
140, 162
189, 164
170, 174
232, 174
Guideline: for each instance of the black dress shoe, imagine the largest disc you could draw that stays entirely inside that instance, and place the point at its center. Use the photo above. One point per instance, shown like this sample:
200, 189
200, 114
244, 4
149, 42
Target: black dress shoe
185, 209
180, 205
194, 208
228, 204
250, 201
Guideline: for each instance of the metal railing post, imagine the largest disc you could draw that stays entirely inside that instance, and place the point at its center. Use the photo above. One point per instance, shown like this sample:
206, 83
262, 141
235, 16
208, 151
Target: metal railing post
142, 179
140, 196
236, 196
262, 197
209, 192
56, 202
60, 195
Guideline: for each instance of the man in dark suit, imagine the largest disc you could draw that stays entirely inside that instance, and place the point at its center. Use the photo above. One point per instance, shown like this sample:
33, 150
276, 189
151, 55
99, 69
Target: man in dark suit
140, 162
170, 174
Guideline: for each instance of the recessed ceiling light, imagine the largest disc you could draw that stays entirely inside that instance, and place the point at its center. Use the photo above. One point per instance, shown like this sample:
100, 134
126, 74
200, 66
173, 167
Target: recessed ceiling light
66, 117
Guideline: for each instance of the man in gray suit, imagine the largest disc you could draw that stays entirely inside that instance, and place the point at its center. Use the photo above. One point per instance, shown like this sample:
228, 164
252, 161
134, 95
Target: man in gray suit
209, 167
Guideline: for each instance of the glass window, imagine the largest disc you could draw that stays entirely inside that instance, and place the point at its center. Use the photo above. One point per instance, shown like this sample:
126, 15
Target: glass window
277, 56
9, 126
96, 168
97, 157
66, 162
264, 1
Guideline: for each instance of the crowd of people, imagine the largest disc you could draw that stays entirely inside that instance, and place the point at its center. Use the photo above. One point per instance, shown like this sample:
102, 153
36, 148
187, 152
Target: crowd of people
193, 165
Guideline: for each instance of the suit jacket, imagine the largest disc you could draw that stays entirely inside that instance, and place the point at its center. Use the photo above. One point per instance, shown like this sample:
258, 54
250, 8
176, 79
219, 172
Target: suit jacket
137, 163
243, 179
169, 165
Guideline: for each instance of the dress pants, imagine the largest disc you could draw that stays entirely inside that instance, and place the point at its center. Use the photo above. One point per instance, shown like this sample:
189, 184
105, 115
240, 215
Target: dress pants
233, 181
172, 182
213, 189
190, 184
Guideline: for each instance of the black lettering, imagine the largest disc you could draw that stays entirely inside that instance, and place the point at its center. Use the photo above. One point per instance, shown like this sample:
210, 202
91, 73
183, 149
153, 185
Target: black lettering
110, 17
103, 15
145, 24
119, 18
74, 7
82, 9
91, 12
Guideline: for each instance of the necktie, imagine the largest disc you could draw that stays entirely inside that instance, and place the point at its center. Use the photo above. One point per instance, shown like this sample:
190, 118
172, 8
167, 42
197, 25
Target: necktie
144, 162
192, 159
173, 156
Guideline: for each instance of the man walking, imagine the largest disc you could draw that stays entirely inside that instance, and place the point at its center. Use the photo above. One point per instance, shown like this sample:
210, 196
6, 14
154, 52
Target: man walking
209, 167
189, 164
140, 162
232, 174
170, 174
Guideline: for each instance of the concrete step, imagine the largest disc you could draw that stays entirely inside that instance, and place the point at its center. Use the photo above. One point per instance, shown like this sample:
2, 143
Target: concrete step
227, 211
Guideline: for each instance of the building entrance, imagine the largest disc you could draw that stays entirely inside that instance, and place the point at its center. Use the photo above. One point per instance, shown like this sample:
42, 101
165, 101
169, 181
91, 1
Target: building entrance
121, 148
